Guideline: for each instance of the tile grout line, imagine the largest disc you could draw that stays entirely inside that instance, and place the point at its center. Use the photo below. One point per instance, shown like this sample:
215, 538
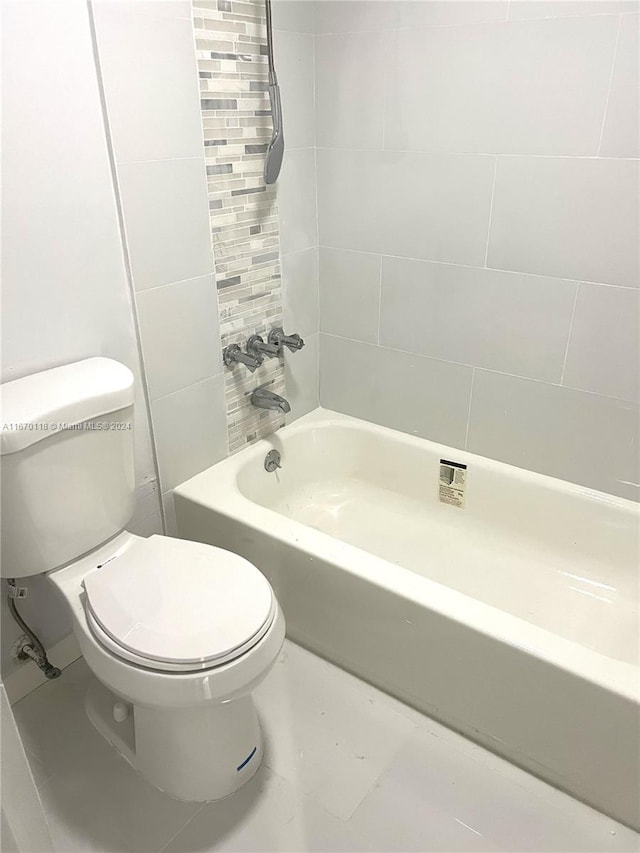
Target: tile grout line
315, 169
159, 160
610, 86
493, 192
379, 298
466, 433
385, 61
467, 25
435, 153
210, 274
476, 267
481, 368
221, 373
317, 199
566, 352
184, 826
126, 256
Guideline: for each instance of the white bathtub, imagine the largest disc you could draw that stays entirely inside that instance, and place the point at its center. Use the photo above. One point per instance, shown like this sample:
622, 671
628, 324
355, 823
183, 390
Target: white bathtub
513, 620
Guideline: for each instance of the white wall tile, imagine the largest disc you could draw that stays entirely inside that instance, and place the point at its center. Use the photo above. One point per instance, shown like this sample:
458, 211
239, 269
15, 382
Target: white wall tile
147, 518
350, 294
462, 77
417, 395
297, 201
573, 435
355, 16
434, 207
301, 378
570, 217
169, 514
300, 292
604, 352
414, 14
190, 430
524, 9
180, 334
350, 72
503, 321
166, 220
297, 16
293, 54
65, 291
153, 104
621, 133
484, 89
65, 294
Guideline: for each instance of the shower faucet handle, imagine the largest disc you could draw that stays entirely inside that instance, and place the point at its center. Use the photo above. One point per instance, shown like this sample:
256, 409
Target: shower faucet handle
278, 337
233, 355
258, 349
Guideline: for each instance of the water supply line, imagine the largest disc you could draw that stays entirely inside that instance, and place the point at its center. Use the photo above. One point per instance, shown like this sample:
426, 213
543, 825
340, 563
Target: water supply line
275, 149
31, 647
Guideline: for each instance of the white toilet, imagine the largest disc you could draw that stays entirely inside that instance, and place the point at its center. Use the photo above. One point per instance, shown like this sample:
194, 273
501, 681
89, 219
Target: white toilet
178, 634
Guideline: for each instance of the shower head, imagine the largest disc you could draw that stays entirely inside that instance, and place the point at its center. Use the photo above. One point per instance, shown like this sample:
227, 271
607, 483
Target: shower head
275, 150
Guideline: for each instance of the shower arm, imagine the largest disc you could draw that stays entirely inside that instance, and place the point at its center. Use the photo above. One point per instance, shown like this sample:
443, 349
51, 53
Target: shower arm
275, 148
273, 79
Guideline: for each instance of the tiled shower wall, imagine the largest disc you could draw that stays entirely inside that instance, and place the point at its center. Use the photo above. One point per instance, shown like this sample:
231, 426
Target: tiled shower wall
478, 208
231, 54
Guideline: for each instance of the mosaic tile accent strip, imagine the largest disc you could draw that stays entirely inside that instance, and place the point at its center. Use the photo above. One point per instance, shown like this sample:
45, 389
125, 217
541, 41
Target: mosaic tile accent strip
231, 52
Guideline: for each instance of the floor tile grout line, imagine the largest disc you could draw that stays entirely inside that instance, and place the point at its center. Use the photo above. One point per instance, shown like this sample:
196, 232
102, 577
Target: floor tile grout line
183, 826
387, 764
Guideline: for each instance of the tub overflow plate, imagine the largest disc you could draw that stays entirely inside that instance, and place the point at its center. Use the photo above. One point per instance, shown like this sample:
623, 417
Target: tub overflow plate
272, 461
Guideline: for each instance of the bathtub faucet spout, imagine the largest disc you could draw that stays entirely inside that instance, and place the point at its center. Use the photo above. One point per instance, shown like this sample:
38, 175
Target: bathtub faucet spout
265, 399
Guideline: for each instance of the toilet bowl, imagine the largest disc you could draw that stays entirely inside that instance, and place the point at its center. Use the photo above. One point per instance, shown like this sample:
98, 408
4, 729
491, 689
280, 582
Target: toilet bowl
177, 634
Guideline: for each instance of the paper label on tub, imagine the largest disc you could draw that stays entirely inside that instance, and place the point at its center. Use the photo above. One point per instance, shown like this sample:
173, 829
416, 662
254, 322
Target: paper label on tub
453, 482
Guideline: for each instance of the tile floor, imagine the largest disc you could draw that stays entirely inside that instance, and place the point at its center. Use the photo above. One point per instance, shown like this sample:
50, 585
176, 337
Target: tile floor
347, 768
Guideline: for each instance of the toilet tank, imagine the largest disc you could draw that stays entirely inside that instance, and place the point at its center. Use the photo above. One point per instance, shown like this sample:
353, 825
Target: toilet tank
66, 463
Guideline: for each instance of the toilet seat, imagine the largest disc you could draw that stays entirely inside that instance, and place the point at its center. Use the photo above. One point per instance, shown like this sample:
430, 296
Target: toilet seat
177, 606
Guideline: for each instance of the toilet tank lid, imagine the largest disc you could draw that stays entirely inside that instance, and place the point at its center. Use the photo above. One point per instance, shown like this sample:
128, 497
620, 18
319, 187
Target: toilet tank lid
38, 405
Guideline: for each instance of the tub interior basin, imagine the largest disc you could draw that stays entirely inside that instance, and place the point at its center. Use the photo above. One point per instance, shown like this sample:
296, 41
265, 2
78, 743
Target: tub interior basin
559, 556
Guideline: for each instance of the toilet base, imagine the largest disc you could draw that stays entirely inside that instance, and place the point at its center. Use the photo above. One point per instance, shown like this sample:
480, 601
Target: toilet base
198, 755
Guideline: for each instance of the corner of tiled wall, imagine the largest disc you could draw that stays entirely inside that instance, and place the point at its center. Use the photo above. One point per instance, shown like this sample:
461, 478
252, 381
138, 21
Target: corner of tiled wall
157, 145
294, 49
